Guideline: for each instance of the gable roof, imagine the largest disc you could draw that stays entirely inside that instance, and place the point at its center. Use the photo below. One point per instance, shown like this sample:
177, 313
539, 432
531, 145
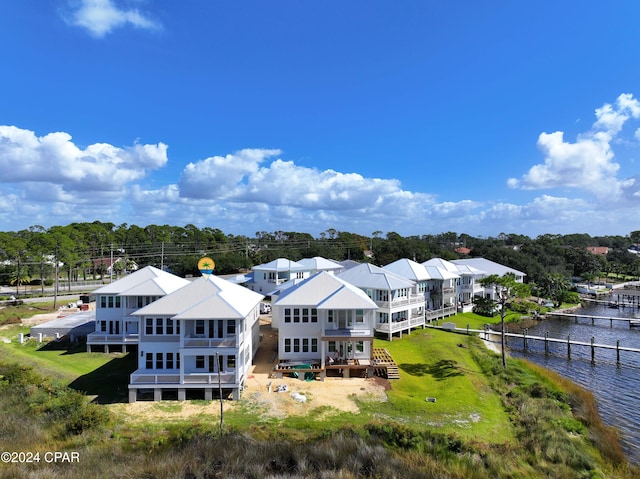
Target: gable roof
148, 281
318, 263
326, 291
367, 275
209, 297
408, 269
489, 267
281, 264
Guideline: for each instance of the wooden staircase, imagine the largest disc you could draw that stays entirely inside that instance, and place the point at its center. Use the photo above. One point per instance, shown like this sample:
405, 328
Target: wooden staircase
385, 366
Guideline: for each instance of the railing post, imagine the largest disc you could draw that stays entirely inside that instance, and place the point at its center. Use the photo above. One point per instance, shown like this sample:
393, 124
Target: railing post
524, 338
568, 346
593, 349
618, 352
546, 341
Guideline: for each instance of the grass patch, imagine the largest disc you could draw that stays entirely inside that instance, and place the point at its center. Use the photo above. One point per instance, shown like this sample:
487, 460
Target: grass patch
437, 364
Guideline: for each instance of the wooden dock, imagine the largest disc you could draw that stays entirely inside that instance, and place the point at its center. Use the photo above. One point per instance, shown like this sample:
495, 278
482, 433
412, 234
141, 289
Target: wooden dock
576, 316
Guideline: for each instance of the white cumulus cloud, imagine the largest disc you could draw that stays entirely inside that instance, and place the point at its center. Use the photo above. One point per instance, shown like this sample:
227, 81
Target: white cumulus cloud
100, 17
588, 163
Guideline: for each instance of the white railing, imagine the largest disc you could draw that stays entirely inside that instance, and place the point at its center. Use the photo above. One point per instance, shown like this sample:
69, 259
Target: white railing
416, 299
143, 378
348, 332
396, 326
209, 378
112, 338
193, 342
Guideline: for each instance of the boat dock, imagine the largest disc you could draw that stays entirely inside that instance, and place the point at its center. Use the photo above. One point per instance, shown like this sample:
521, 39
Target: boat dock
632, 321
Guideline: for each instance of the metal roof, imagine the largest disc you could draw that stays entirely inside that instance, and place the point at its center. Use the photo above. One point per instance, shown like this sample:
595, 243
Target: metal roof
326, 291
209, 297
148, 281
370, 276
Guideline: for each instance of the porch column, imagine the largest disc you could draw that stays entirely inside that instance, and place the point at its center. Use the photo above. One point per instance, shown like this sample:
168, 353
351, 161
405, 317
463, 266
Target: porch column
133, 395
208, 394
157, 394
182, 395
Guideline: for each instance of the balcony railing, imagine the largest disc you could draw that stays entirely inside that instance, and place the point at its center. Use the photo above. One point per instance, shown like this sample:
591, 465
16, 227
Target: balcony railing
209, 378
100, 338
189, 378
414, 299
396, 326
350, 333
153, 378
440, 313
199, 342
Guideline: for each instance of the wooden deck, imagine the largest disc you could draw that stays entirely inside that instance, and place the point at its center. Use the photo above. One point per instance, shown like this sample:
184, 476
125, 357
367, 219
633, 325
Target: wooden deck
381, 364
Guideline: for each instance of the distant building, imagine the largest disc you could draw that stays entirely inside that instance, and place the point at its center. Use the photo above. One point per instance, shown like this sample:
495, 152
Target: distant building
601, 250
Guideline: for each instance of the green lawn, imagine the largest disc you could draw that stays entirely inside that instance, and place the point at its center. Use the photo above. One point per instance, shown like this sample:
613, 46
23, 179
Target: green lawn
438, 364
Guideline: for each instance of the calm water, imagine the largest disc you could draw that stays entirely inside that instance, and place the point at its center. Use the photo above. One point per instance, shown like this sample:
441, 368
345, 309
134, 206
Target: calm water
616, 387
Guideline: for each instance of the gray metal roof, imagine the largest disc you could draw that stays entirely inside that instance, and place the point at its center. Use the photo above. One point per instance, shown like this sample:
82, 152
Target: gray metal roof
370, 276
325, 291
148, 281
205, 298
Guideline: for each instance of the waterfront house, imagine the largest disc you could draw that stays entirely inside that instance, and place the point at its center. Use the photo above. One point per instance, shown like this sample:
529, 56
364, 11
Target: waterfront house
400, 307
443, 285
196, 341
318, 263
326, 324
486, 268
115, 327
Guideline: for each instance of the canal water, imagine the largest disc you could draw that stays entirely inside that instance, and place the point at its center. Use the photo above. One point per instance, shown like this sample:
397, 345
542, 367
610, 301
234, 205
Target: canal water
616, 387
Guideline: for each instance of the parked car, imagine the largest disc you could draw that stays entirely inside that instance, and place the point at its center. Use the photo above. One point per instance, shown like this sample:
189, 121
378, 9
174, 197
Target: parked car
265, 308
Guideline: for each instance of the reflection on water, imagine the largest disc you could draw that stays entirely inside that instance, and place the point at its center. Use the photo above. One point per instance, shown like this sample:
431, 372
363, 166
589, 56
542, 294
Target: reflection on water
614, 385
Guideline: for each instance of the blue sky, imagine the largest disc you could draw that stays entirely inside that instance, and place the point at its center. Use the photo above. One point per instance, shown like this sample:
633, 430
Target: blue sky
418, 117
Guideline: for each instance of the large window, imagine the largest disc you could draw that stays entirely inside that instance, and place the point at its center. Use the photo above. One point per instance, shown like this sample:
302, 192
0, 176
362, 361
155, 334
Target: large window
199, 362
200, 326
148, 326
231, 327
159, 326
287, 345
110, 301
149, 361
287, 315
303, 345
159, 361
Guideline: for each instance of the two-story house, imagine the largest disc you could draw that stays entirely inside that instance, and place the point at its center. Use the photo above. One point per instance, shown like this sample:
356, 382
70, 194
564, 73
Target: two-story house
487, 268
115, 327
196, 341
326, 324
268, 276
400, 307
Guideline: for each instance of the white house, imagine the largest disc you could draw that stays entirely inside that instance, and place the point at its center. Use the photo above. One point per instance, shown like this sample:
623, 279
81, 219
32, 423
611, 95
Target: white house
326, 324
268, 276
444, 283
196, 340
488, 267
115, 303
318, 263
400, 307
428, 282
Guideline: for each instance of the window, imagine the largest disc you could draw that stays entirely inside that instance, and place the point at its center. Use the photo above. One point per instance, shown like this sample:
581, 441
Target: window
177, 327
149, 361
200, 326
296, 345
231, 362
359, 316
360, 346
103, 326
305, 315
118, 301
178, 359
159, 326
169, 360
159, 361
314, 315
169, 326
287, 315
314, 345
148, 326
330, 316
287, 345
231, 327
103, 301
332, 346
296, 315
305, 345
199, 362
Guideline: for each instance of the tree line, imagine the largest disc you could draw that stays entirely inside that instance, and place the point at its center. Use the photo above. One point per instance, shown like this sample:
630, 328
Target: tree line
81, 251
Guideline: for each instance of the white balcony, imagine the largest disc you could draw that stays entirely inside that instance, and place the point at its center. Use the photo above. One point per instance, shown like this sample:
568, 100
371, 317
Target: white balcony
397, 326
155, 378
102, 338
